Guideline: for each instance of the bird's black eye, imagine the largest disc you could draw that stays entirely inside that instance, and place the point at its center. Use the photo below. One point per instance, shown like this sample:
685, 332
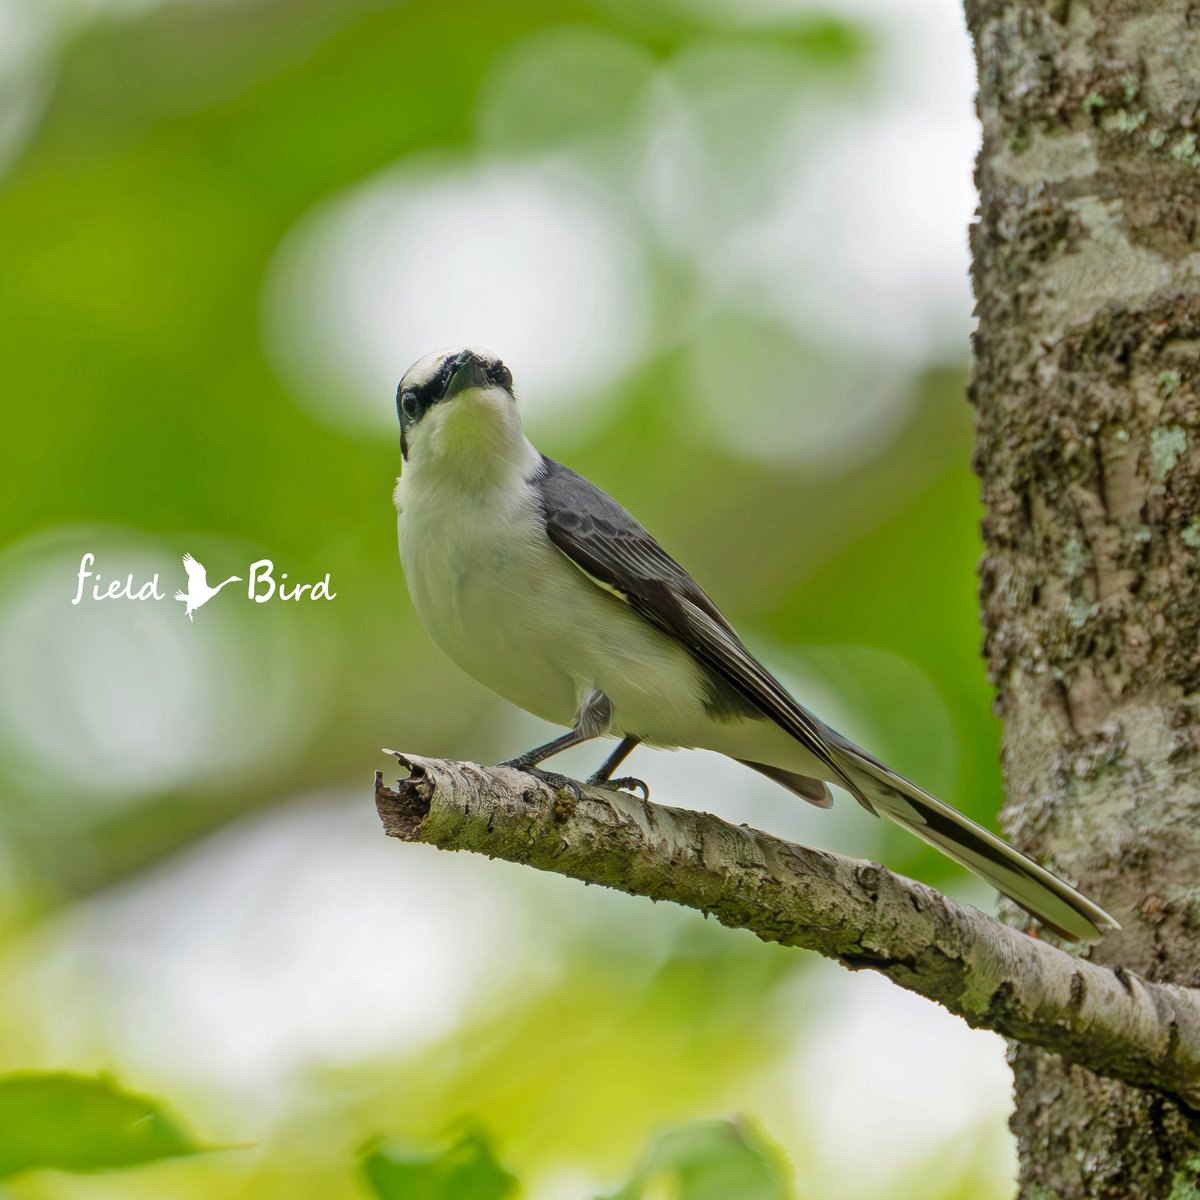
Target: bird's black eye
499, 374
408, 403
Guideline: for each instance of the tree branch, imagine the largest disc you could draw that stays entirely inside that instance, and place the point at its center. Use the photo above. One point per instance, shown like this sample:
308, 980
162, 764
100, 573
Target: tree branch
859, 913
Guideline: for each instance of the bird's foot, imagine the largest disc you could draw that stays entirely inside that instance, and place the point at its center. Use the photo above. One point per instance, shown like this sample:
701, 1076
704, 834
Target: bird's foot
626, 783
553, 778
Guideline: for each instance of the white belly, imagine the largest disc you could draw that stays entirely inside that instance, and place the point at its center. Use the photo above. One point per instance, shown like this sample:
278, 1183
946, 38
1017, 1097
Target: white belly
514, 612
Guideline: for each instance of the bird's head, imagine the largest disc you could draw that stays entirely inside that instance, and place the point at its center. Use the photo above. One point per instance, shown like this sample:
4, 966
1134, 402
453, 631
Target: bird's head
454, 396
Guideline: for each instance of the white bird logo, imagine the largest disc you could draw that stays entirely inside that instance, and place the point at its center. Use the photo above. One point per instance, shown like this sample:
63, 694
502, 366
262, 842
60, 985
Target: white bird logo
199, 592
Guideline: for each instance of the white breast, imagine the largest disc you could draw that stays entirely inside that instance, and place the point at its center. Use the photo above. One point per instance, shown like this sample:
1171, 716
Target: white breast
511, 610
477, 577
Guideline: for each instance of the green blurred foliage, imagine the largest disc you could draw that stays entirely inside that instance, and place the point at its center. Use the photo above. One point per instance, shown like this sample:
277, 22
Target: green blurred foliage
710, 1160
176, 149
588, 1046
465, 1170
77, 1123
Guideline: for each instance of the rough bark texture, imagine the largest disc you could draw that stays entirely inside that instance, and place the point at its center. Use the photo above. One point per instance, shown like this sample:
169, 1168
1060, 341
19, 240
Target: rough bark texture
855, 912
1086, 270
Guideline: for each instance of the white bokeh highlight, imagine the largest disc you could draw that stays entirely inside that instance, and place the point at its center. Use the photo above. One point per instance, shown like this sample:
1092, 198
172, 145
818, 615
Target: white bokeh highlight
767, 394
884, 1080
530, 260
291, 940
726, 184
866, 244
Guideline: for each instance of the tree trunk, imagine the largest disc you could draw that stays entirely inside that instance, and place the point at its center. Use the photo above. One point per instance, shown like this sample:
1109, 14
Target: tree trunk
1087, 280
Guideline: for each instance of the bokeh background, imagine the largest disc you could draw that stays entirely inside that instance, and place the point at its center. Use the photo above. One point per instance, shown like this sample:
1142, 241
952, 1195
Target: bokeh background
722, 246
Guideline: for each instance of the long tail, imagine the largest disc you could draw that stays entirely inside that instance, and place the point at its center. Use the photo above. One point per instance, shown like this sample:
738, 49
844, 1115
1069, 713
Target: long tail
1055, 903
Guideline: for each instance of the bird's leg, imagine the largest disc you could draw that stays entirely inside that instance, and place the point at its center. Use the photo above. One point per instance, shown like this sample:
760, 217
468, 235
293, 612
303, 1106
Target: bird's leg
614, 760
603, 776
530, 759
592, 719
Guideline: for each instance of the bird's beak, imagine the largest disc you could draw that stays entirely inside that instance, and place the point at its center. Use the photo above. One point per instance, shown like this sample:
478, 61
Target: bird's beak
468, 373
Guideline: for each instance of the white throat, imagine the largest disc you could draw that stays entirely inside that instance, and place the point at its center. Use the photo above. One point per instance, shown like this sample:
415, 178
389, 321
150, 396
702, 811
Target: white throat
470, 445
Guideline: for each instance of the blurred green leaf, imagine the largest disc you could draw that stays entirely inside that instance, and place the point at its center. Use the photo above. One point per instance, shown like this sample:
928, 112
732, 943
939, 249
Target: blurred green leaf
80, 1123
467, 1170
709, 1160
828, 40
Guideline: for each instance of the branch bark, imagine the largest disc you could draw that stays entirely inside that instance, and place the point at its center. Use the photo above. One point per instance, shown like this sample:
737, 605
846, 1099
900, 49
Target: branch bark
858, 913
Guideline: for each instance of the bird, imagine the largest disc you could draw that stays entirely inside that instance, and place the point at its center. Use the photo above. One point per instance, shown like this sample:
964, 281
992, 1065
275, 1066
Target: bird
199, 592
541, 586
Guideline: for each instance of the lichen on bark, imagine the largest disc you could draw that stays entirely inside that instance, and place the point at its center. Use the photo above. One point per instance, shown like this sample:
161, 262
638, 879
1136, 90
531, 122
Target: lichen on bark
1087, 283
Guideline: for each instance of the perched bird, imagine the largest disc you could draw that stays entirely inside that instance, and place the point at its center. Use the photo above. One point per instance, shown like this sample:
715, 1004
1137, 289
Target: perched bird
545, 589
199, 592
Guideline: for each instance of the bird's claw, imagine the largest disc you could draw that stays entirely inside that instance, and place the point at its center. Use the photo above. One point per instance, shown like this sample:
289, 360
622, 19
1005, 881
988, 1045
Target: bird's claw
626, 783
553, 778
519, 763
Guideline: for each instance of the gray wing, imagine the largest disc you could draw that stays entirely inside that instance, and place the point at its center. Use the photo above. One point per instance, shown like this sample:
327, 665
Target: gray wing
608, 544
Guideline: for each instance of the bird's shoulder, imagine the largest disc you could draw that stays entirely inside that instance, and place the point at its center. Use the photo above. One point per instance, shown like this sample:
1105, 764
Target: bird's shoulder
608, 542
571, 501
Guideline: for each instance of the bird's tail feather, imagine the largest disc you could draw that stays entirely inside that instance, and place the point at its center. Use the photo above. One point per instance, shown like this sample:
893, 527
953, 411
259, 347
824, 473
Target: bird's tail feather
812, 790
1055, 903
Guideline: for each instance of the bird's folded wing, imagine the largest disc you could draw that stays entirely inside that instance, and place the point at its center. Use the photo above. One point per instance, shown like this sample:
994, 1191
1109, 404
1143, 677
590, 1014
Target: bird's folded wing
609, 545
